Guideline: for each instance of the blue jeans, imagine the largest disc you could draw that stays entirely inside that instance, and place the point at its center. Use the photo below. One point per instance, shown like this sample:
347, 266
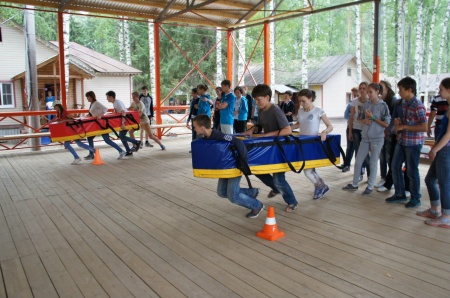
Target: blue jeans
356, 142
410, 155
230, 188
438, 180
107, 140
384, 158
437, 131
123, 137
349, 151
80, 144
278, 183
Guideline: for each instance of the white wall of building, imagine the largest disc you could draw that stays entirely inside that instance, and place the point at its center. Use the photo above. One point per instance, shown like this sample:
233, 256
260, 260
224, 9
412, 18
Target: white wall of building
100, 85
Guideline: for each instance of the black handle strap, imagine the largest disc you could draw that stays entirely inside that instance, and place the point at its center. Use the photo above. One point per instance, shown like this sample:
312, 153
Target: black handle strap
77, 123
280, 147
329, 150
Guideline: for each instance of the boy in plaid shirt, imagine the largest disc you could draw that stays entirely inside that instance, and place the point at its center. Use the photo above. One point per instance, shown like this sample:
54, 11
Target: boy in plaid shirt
410, 130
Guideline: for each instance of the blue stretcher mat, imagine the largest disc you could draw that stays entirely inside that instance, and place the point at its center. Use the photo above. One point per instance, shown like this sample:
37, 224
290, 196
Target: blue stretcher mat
215, 159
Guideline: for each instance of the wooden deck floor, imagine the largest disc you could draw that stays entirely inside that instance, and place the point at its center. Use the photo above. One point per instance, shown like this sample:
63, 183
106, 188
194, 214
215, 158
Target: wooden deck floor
145, 227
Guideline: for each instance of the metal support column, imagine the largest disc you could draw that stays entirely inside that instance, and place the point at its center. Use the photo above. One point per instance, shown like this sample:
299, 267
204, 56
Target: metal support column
157, 79
62, 71
230, 55
266, 53
376, 42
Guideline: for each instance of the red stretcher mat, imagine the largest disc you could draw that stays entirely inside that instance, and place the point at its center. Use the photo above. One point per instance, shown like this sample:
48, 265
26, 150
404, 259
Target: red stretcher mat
81, 128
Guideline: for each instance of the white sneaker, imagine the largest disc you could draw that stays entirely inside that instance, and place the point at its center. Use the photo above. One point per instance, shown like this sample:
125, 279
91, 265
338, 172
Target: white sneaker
76, 161
380, 184
382, 189
407, 194
122, 154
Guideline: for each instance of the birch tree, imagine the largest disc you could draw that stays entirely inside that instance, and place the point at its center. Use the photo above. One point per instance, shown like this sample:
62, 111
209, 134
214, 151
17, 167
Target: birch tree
272, 46
126, 40
241, 57
219, 68
442, 44
121, 38
305, 49
400, 32
385, 47
66, 38
430, 48
418, 56
151, 55
358, 43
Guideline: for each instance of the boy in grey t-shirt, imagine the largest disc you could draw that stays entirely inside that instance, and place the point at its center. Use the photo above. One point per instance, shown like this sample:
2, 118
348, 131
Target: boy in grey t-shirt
273, 123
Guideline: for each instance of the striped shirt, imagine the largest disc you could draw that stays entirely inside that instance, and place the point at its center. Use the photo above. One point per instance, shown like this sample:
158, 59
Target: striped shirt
440, 106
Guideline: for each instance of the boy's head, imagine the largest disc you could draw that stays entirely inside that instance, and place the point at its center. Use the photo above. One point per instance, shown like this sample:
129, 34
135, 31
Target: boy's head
202, 124
407, 88
226, 86
262, 95
110, 96
135, 96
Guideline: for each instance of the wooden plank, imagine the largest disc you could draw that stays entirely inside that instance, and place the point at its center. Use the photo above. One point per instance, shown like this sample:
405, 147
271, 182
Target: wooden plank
15, 280
40, 283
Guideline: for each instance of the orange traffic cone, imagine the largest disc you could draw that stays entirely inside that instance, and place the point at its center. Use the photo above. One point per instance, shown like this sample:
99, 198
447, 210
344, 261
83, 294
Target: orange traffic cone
270, 231
97, 159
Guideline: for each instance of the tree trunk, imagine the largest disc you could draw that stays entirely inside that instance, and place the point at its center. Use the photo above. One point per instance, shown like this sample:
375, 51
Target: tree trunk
358, 44
418, 57
241, 59
66, 37
442, 44
400, 32
151, 55
126, 39
272, 46
31, 73
121, 37
430, 48
305, 47
385, 47
408, 52
219, 70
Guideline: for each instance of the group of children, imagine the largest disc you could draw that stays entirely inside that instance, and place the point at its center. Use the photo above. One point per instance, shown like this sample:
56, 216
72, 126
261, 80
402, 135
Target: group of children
97, 110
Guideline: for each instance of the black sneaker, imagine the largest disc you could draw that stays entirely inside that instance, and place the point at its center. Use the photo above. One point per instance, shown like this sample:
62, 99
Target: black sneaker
129, 153
396, 199
367, 192
255, 212
90, 156
413, 203
272, 194
147, 144
345, 169
138, 146
133, 149
350, 187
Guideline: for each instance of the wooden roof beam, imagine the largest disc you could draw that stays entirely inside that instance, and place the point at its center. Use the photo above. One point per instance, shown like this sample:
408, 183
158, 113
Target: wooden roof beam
188, 8
64, 3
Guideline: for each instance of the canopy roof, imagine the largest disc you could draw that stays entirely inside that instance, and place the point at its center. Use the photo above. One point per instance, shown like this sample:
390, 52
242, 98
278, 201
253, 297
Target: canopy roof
213, 13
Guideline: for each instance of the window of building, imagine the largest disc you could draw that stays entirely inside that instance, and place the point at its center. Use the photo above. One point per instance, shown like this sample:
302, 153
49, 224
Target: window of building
349, 72
6, 95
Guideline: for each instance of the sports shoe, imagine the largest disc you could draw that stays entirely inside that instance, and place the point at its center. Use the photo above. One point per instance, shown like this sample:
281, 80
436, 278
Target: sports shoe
122, 154
163, 147
90, 156
429, 213
383, 188
345, 169
413, 203
129, 153
76, 161
396, 199
380, 184
133, 149
138, 146
147, 144
407, 194
367, 192
323, 191
255, 212
142, 145
317, 191
272, 194
350, 187
291, 208
340, 167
